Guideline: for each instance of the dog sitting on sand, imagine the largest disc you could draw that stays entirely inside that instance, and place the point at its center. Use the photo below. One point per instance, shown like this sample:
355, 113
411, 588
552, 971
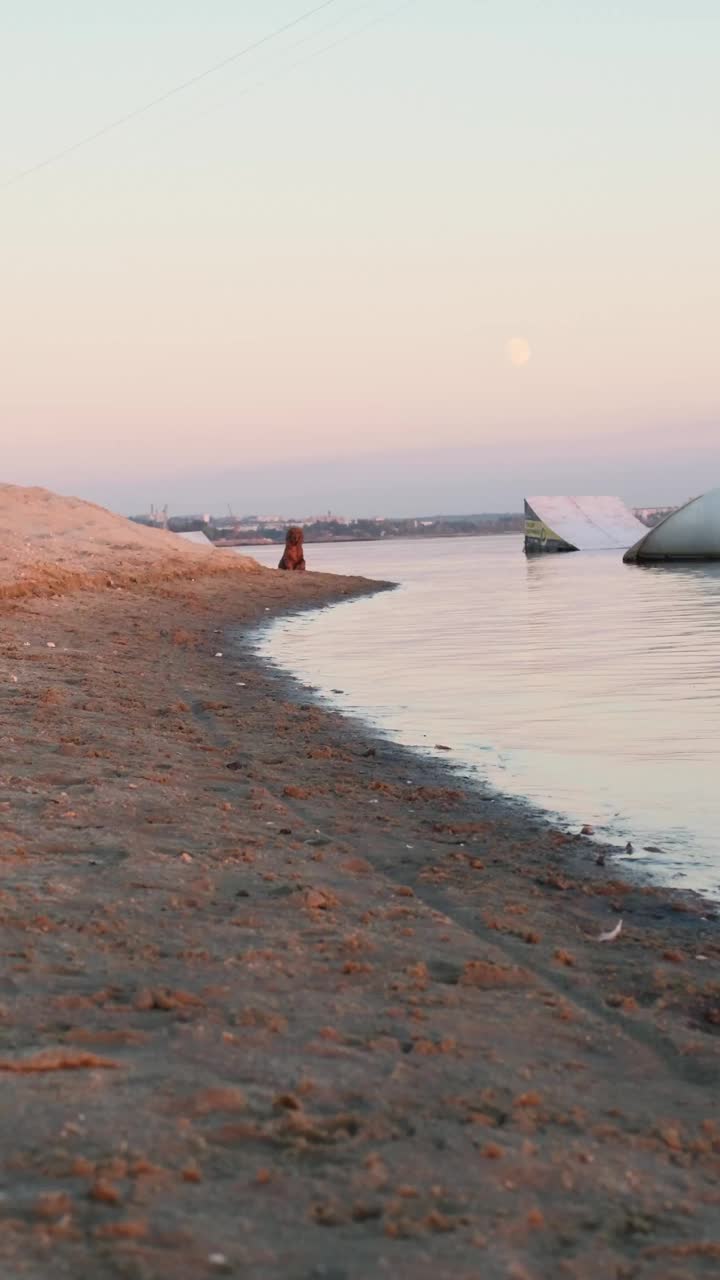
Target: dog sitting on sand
294, 554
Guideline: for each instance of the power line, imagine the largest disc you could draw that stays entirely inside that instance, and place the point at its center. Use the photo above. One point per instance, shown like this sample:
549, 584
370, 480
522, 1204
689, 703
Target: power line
300, 62
288, 49
309, 57
164, 97
352, 35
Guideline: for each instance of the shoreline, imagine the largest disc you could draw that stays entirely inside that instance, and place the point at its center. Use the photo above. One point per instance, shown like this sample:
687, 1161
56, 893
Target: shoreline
285, 999
456, 773
580, 851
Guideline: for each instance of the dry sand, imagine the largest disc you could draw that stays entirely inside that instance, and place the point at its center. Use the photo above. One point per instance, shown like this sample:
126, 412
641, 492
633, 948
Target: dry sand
281, 1001
50, 543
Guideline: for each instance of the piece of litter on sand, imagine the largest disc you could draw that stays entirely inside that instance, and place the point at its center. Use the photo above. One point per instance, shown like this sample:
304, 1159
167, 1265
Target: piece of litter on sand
440, 746
587, 830
50, 644
217, 1260
611, 934
218, 655
241, 684
701, 957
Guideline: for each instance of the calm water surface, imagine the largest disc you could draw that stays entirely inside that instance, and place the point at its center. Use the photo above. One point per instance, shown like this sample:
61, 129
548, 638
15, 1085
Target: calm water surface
589, 687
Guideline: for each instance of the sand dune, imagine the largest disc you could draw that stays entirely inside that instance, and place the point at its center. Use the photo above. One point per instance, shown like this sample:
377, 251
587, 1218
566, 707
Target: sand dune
50, 543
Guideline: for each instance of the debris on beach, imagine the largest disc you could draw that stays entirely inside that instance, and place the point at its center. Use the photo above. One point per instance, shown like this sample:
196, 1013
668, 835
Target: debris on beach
587, 830
439, 746
611, 934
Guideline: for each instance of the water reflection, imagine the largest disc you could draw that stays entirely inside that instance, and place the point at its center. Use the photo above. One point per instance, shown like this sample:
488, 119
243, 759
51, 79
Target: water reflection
589, 686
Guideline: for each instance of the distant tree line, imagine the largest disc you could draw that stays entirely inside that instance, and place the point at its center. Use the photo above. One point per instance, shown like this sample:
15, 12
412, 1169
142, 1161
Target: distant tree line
363, 530
377, 530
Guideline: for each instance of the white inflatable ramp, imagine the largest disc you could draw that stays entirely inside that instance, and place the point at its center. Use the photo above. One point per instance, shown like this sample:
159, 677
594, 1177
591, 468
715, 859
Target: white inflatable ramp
579, 524
690, 533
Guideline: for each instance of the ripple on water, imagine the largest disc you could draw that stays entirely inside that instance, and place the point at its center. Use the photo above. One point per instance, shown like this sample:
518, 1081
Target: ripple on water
588, 686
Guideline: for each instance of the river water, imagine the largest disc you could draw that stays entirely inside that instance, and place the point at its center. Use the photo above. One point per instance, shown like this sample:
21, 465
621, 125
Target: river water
588, 687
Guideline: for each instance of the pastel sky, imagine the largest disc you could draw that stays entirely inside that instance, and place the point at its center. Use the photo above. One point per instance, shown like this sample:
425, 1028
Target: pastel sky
422, 256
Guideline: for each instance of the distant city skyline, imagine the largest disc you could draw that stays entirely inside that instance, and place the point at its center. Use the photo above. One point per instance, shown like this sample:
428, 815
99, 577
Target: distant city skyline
443, 481
400, 257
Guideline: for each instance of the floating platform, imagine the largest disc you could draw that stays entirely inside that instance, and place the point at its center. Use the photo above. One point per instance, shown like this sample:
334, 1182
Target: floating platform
690, 533
554, 524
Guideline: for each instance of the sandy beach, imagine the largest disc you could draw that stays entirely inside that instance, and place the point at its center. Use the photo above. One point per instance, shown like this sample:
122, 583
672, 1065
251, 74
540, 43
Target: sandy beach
424, 292
280, 1000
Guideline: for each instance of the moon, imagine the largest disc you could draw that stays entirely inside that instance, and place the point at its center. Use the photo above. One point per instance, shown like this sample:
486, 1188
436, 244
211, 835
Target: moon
518, 351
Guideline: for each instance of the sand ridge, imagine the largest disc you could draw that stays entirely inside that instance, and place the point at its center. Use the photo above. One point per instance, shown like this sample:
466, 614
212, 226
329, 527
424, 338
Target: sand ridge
51, 544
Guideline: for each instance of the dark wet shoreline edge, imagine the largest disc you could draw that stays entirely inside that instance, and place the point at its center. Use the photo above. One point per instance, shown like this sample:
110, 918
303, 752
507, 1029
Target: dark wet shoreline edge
579, 853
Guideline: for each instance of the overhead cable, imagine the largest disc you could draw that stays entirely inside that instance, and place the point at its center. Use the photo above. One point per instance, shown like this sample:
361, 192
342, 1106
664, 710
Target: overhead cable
309, 57
164, 97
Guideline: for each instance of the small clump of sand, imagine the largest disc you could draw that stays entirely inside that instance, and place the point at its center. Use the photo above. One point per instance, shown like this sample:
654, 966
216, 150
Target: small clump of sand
53, 544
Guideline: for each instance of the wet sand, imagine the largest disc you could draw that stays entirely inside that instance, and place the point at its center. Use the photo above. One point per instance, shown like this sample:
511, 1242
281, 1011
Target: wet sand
282, 1000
